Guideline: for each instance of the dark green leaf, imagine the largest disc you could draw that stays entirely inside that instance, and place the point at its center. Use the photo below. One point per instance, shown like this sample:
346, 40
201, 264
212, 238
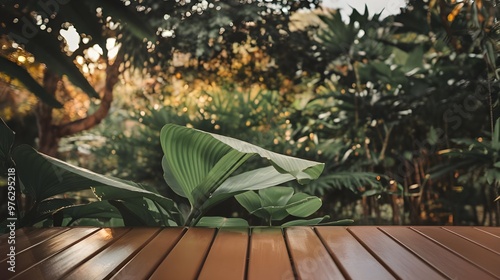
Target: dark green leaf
134, 213
15, 71
45, 177
310, 222
275, 196
218, 222
6, 142
303, 205
96, 210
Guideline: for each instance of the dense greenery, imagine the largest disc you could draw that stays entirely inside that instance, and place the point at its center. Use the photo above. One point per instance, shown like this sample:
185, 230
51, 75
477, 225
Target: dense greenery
197, 165
402, 111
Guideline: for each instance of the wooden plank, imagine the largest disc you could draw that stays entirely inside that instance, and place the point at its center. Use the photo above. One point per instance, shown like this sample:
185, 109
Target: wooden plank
488, 240
60, 264
230, 249
453, 266
110, 260
19, 233
187, 257
350, 255
482, 257
492, 230
19, 236
397, 258
268, 256
310, 258
48, 248
33, 238
154, 252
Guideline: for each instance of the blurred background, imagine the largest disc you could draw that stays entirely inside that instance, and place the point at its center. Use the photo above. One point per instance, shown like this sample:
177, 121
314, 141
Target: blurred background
398, 99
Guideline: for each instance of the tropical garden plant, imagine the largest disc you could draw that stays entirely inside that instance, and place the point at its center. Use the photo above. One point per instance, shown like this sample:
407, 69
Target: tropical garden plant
197, 165
475, 163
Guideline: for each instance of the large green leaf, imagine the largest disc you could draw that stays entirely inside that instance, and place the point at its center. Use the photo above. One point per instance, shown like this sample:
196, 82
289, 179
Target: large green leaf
276, 203
13, 70
495, 142
43, 180
274, 200
188, 158
253, 180
6, 141
275, 196
134, 212
303, 205
318, 222
310, 222
303, 170
218, 222
251, 202
197, 165
98, 210
44, 210
45, 177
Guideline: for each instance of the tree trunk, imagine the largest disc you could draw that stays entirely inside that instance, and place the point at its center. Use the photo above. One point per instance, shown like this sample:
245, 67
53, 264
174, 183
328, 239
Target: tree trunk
49, 134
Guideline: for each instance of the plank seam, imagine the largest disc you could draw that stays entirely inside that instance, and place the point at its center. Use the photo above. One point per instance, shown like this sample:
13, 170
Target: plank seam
216, 231
249, 246
95, 253
36, 244
490, 233
160, 260
414, 253
287, 246
55, 253
452, 251
487, 232
334, 258
130, 256
470, 240
393, 273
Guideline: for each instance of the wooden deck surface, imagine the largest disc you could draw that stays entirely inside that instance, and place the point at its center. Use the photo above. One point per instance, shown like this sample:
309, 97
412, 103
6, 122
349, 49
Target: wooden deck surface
357, 252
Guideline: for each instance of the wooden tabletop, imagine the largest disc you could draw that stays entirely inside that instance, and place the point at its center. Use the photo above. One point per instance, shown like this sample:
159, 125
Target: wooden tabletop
357, 252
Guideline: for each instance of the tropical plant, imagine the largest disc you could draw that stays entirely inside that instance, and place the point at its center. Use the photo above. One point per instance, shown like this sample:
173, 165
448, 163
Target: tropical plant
150, 35
393, 93
476, 164
197, 166
277, 203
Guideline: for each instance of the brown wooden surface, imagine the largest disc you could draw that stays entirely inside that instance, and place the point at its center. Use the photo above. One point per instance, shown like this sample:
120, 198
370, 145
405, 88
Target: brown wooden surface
356, 252
351, 255
310, 257
268, 257
230, 249
187, 257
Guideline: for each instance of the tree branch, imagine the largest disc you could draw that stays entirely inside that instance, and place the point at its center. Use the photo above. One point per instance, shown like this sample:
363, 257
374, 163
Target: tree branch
112, 73
386, 142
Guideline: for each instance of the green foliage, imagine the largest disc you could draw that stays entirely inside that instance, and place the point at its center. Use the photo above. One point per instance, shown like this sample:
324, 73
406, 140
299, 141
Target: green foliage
379, 98
150, 33
276, 203
221, 222
479, 160
345, 180
12, 69
6, 143
44, 178
198, 166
